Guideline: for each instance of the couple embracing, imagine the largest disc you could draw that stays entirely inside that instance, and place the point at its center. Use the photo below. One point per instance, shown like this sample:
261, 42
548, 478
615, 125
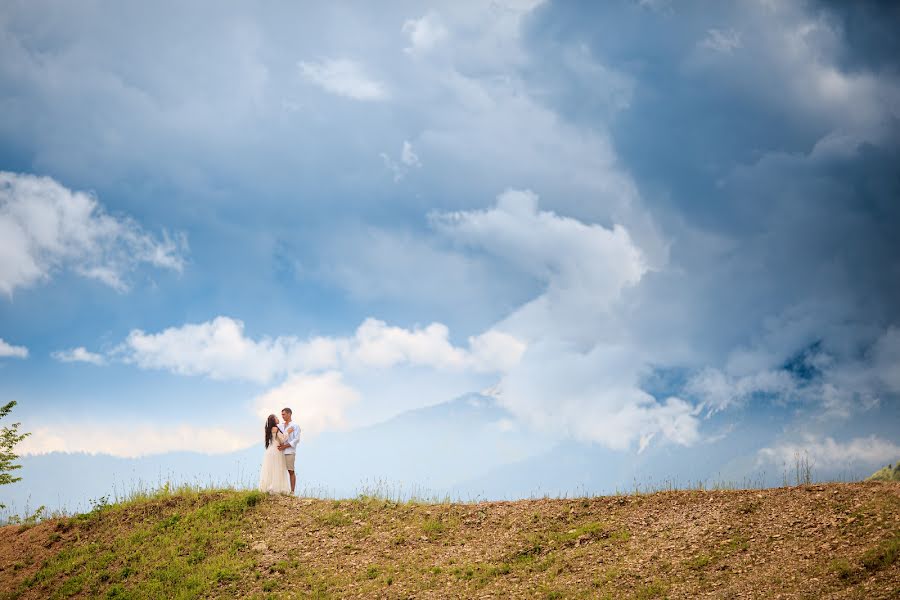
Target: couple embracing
277, 473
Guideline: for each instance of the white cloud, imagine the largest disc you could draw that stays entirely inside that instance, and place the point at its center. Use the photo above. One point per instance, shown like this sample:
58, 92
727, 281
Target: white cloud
726, 41
408, 157
132, 441
318, 401
794, 65
8, 350
837, 381
717, 390
79, 354
580, 374
343, 77
585, 267
45, 226
593, 396
829, 454
424, 33
220, 349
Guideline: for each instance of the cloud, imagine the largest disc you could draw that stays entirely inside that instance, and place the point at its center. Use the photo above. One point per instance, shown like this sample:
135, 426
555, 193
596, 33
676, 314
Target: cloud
585, 267
417, 274
717, 391
826, 453
45, 227
219, 349
318, 401
343, 77
424, 33
132, 441
805, 360
8, 350
580, 373
408, 159
79, 354
722, 41
886, 359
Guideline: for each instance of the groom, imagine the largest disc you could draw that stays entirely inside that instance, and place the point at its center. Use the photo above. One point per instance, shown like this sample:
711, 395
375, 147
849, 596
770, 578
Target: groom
292, 432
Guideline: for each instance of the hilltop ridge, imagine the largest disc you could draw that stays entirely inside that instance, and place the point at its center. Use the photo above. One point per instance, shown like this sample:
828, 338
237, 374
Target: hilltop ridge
823, 541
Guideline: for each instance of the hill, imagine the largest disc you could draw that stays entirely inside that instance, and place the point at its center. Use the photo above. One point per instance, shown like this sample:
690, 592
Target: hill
887, 473
822, 541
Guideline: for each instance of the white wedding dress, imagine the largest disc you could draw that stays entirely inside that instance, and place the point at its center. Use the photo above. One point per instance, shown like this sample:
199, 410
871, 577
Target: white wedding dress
273, 475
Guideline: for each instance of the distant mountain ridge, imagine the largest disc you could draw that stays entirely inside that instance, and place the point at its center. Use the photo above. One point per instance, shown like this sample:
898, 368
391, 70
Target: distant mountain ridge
426, 451
470, 447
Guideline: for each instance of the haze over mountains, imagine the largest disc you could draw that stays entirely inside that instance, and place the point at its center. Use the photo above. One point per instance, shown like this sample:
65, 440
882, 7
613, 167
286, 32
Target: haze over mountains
468, 448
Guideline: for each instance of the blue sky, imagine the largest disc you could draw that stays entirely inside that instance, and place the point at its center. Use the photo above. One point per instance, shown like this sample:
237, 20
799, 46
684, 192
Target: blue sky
630, 222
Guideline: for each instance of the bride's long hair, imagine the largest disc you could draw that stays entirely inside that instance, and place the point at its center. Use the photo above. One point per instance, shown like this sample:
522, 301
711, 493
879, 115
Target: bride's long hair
270, 423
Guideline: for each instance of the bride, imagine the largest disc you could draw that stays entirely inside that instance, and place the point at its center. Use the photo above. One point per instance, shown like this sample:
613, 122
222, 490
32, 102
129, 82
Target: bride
273, 476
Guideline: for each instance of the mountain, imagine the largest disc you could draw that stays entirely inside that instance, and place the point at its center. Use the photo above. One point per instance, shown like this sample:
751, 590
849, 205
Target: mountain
468, 448
426, 451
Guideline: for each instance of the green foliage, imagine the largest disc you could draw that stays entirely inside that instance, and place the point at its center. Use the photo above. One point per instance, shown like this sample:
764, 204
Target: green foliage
179, 547
841, 567
336, 518
654, 589
886, 473
9, 437
700, 561
433, 527
882, 556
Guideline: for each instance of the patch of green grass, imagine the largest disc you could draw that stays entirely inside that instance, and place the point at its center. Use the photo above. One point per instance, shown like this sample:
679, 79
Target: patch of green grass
592, 531
180, 547
883, 555
588, 532
888, 473
738, 543
481, 573
336, 518
841, 567
528, 553
699, 562
654, 589
433, 527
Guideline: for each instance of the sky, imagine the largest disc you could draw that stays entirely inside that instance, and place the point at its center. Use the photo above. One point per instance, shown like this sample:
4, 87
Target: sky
633, 224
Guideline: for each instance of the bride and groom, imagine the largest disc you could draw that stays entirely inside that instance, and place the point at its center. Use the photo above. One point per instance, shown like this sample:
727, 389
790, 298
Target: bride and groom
277, 473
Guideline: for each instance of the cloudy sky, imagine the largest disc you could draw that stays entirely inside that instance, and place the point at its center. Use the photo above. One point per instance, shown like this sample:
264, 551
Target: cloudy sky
624, 220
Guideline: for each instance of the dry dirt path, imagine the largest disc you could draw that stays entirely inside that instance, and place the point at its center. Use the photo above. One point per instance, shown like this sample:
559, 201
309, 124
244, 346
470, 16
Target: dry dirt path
818, 541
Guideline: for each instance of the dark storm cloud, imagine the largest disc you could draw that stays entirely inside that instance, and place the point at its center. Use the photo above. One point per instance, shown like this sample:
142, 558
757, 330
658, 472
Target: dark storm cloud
764, 140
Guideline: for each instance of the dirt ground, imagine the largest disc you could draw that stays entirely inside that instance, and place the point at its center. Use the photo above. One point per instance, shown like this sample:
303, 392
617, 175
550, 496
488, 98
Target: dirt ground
800, 542
815, 541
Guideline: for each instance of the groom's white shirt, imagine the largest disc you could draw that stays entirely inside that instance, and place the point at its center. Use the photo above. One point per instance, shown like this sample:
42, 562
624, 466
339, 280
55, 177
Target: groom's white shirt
292, 438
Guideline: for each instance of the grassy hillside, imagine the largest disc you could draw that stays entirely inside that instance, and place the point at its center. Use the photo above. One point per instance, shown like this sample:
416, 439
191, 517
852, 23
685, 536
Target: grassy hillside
887, 473
817, 541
